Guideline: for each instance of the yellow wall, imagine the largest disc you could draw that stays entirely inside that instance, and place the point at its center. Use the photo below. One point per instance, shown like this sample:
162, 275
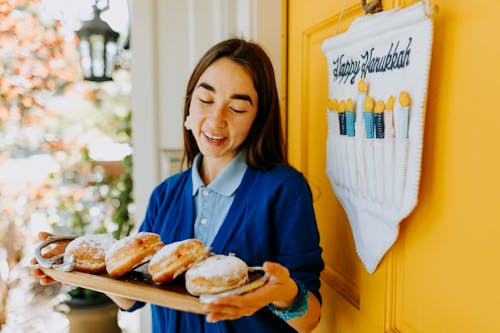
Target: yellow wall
443, 274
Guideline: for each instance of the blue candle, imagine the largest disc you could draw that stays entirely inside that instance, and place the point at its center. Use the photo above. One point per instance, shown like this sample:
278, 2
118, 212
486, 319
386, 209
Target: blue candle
342, 120
349, 118
368, 116
378, 119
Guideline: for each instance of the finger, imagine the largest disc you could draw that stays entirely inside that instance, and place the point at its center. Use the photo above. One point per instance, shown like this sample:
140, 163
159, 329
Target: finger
228, 313
215, 317
220, 308
235, 306
46, 281
216, 313
55, 249
38, 273
43, 234
276, 270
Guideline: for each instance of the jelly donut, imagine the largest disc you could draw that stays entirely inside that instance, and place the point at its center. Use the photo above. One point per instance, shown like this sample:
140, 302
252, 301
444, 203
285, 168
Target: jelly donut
130, 252
174, 259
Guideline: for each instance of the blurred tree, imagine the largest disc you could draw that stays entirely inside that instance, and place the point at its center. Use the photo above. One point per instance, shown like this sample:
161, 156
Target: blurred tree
52, 125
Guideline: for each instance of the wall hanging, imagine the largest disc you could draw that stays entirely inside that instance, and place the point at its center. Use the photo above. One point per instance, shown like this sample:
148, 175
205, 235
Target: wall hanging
377, 75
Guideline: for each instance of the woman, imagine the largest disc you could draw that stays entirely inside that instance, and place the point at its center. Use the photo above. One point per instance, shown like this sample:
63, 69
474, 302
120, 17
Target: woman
240, 196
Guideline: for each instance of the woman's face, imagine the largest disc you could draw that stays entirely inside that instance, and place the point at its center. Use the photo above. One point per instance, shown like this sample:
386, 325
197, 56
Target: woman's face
222, 110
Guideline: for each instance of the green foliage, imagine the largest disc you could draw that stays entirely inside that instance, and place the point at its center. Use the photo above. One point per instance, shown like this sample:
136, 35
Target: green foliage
121, 216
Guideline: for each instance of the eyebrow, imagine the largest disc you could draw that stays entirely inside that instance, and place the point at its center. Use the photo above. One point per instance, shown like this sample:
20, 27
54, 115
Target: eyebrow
243, 97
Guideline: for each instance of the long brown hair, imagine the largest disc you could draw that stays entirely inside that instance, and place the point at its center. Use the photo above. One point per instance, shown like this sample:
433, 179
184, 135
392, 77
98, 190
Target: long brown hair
265, 146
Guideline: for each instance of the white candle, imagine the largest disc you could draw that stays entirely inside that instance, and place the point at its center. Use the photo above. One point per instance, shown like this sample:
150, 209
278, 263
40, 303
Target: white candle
402, 115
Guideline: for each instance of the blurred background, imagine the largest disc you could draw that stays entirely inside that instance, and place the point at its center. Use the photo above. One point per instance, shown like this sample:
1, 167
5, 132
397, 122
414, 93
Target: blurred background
65, 153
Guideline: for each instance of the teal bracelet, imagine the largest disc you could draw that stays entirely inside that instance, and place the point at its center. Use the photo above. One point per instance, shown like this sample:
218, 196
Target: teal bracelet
299, 306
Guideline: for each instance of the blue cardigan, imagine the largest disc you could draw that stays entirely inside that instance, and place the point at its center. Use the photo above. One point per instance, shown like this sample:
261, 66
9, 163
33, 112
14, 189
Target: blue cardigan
271, 218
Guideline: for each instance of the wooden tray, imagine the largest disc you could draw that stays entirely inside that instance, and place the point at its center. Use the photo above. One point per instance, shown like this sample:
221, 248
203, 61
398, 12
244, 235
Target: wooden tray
134, 285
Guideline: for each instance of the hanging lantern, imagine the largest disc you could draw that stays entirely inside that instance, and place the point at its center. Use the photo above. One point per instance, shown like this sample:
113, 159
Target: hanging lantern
98, 46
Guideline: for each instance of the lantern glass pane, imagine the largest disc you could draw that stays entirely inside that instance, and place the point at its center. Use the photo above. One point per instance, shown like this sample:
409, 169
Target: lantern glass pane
85, 57
97, 45
111, 49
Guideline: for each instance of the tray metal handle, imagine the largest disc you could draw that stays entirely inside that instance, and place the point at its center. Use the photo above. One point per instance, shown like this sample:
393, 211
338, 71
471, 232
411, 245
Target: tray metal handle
57, 261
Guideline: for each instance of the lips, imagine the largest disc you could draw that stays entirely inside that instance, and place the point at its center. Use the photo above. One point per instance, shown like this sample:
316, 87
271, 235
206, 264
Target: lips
214, 138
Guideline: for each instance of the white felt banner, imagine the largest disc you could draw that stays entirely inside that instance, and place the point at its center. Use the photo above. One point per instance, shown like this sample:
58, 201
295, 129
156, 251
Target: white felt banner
377, 179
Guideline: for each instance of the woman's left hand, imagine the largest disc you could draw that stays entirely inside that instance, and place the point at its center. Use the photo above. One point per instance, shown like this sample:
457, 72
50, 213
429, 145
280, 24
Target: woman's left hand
280, 290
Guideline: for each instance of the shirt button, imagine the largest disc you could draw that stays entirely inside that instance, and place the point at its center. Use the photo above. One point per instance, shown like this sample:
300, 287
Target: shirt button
205, 192
203, 221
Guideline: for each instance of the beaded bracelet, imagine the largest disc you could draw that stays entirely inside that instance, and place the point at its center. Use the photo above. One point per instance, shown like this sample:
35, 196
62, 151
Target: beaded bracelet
299, 306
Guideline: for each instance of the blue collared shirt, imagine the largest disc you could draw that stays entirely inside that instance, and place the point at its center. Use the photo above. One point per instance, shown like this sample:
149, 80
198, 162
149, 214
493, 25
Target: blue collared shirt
212, 202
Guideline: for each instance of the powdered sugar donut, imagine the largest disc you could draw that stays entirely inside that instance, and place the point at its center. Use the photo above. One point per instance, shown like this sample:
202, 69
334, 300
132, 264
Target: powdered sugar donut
174, 259
130, 252
89, 252
216, 274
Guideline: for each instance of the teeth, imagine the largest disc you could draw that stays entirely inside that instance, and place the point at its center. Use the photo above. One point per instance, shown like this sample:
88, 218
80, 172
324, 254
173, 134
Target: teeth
213, 137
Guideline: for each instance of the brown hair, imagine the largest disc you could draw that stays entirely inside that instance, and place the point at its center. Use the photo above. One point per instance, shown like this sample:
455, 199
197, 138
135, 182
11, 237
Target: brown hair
265, 146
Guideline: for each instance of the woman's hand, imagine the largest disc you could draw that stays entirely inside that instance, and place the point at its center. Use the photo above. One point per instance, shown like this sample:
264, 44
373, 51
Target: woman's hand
280, 290
57, 248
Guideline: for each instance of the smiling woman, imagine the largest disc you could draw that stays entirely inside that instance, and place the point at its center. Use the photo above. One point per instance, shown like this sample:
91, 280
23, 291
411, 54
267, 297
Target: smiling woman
222, 112
239, 195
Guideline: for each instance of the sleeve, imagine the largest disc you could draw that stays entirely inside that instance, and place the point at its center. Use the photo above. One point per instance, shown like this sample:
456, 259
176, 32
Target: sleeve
297, 235
137, 305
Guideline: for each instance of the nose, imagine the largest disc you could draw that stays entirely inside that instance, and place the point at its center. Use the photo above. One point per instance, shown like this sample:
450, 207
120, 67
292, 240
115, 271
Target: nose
218, 116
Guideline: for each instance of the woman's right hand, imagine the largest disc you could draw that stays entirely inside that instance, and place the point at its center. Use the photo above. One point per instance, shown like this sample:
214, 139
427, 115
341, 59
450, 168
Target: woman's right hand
58, 248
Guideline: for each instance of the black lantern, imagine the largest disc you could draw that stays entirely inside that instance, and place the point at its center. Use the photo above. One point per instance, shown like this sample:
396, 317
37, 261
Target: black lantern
98, 46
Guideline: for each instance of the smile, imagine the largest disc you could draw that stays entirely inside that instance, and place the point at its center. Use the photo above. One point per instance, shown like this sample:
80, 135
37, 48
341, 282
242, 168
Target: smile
213, 137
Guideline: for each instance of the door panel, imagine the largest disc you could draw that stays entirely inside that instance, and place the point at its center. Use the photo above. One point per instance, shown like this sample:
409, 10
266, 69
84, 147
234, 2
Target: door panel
307, 135
442, 273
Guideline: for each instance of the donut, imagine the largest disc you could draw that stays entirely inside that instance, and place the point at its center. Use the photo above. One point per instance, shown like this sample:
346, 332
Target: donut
174, 259
216, 274
130, 252
89, 252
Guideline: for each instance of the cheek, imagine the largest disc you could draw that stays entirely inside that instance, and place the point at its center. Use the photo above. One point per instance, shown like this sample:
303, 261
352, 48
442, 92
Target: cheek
245, 128
194, 114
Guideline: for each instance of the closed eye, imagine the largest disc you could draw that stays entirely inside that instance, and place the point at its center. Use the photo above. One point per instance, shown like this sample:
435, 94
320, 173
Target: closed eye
205, 101
236, 110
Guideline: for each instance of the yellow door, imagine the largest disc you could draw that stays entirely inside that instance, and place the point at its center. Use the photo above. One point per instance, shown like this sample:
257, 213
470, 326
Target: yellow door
443, 273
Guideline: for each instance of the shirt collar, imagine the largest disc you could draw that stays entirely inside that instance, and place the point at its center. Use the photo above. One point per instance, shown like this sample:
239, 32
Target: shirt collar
227, 181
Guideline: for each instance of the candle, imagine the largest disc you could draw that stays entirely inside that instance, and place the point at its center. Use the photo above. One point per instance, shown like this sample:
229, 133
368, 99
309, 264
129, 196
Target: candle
360, 99
332, 105
349, 117
332, 114
378, 119
388, 118
401, 116
342, 122
368, 116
